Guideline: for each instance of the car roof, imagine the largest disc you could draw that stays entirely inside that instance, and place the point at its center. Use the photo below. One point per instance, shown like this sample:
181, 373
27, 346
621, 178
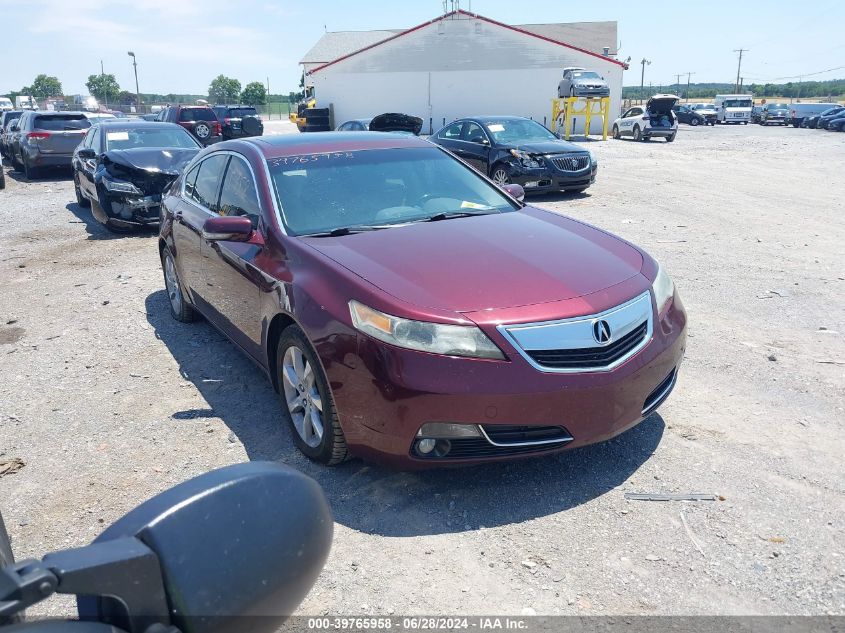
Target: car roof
125, 124
325, 142
487, 118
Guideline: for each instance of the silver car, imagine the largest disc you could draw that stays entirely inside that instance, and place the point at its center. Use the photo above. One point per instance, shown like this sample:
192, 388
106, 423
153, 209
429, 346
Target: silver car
46, 139
578, 82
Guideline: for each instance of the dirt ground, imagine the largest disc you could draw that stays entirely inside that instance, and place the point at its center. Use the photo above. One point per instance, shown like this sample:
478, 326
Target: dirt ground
107, 401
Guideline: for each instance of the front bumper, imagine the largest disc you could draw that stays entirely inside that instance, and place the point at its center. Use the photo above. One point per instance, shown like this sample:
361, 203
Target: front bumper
546, 178
129, 209
385, 394
592, 92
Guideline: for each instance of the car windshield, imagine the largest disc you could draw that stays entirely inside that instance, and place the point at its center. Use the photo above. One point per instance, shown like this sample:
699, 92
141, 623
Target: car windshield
319, 193
518, 131
586, 74
738, 103
149, 137
61, 122
778, 106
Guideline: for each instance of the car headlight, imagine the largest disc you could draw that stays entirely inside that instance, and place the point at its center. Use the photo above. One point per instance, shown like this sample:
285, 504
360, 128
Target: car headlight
663, 288
436, 338
526, 159
593, 159
120, 186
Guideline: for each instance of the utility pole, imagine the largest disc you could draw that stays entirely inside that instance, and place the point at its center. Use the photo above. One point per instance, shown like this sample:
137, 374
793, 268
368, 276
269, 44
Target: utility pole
678, 80
800, 79
688, 78
268, 99
739, 66
642, 76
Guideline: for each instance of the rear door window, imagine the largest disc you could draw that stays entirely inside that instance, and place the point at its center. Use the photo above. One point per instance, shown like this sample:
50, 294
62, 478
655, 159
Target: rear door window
61, 122
206, 189
197, 114
453, 132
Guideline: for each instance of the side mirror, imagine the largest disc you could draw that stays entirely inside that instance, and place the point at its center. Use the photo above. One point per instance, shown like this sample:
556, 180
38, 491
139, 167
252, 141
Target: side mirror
239, 548
232, 228
515, 191
86, 153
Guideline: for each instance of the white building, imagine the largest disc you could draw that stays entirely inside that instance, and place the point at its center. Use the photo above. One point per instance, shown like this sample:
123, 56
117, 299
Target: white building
458, 64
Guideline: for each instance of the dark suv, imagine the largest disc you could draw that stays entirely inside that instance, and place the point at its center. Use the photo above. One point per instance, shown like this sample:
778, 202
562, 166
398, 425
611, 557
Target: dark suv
238, 121
5, 121
198, 120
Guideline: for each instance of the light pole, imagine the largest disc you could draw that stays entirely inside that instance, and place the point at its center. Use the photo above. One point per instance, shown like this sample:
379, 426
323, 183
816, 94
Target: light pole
137, 92
642, 77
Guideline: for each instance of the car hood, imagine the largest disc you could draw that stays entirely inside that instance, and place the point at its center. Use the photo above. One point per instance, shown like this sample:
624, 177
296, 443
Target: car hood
479, 263
395, 122
549, 147
165, 160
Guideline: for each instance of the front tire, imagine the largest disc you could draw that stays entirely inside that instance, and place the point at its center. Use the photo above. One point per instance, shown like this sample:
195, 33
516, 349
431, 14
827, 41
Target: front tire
306, 399
616, 133
500, 175
694, 122
180, 309
638, 135
81, 200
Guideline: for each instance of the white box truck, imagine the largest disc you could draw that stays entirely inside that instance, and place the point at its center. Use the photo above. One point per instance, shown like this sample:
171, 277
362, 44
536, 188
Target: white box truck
24, 102
734, 108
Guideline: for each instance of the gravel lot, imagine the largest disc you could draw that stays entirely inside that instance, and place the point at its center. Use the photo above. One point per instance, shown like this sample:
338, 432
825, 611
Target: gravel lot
107, 401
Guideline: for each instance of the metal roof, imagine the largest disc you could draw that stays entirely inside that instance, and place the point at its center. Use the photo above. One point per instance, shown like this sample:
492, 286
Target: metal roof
591, 36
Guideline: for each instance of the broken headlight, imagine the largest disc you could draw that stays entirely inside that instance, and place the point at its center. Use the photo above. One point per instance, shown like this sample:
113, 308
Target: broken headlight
527, 160
121, 186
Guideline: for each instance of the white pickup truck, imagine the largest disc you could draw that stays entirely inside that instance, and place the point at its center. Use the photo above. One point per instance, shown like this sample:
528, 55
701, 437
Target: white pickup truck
734, 108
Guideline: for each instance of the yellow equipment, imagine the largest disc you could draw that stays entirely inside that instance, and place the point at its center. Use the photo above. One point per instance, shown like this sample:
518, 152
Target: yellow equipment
309, 102
566, 108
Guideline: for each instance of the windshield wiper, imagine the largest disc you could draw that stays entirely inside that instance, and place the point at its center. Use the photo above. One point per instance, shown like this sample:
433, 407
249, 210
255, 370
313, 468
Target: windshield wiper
349, 230
448, 215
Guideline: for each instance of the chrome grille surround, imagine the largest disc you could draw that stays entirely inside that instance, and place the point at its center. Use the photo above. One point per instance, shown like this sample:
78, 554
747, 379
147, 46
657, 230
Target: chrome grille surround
570, 162
576, 335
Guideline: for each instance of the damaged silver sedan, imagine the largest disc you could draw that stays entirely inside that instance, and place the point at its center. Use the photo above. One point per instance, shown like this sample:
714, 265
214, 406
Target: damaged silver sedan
121, 169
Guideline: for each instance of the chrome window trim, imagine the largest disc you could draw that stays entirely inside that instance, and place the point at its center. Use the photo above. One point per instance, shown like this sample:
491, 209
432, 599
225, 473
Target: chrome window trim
592, 318
558, 440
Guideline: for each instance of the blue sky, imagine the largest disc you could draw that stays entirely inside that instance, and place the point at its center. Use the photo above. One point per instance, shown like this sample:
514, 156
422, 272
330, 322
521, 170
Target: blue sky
182, 44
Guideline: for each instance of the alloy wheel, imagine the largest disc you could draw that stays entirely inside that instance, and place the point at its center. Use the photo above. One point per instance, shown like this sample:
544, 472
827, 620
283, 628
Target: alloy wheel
500, 176
302, 396
174, 292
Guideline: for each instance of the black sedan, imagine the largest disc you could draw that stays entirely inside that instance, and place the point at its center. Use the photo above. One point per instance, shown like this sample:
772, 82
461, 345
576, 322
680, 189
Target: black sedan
521, 151
814, 121
122, 167
828, 116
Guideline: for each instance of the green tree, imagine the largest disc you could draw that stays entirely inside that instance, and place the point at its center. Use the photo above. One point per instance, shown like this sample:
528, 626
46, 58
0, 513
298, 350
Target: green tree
254, 94
44, 86
224, 89
125, 97
104, 87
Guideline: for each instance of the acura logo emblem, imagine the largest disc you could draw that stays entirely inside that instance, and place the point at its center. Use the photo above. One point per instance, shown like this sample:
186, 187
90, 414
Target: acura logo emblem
601, 332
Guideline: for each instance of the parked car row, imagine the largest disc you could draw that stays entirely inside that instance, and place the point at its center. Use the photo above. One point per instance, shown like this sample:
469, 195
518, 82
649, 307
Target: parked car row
832, 119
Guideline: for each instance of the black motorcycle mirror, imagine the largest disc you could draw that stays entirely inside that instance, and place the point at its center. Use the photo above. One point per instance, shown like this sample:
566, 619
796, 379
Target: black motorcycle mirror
236, 549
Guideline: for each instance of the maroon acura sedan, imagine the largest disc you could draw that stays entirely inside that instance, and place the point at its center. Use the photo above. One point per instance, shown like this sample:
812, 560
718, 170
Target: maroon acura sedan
408, 310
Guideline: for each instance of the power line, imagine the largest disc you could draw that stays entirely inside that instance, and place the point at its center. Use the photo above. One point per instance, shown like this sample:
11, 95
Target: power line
820, 72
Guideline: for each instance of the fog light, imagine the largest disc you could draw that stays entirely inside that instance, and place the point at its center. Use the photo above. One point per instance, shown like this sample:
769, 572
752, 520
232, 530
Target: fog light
442, 448
424, 447
445, 429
